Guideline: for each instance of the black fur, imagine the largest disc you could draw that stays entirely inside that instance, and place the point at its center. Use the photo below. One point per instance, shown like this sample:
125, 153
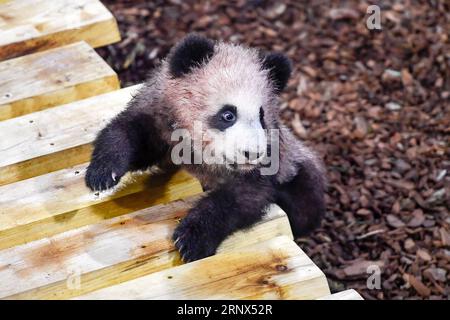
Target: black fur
241, 203
233, 206
216, 121
130, 142
189, 53
303, 199
280, 69
261, 118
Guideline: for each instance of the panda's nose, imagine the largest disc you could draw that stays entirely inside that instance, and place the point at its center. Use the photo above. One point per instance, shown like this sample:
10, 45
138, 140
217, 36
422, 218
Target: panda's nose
252, 155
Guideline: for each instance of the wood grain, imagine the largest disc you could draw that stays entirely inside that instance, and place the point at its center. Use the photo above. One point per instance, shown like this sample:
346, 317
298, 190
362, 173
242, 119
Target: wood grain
273, 269
343, 295
28, 26
54, 77
59, 201
111, 252
52, 139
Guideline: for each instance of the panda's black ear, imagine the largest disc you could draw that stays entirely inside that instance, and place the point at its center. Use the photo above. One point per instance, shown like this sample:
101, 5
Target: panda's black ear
188, 53
280, 69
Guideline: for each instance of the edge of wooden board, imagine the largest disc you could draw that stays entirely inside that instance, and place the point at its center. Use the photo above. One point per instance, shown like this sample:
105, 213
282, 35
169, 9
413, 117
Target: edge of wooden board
51, 143
45, 164
59, 201
55, 89
272, 269
130, 246
349, 294
93, 33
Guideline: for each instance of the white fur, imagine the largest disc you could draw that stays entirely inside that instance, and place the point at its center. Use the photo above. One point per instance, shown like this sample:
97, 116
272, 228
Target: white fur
234, 77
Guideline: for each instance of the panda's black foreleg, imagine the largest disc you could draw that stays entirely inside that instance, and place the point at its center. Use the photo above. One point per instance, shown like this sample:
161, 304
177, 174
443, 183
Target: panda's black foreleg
223, 211
129, 142
303, 199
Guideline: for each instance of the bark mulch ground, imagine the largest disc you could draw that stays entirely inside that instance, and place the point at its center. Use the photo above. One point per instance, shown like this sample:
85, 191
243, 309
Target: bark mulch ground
374, 103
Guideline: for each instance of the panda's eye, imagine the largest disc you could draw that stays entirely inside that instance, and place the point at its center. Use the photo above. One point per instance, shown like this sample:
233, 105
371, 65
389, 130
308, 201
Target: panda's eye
228, 116
224, 118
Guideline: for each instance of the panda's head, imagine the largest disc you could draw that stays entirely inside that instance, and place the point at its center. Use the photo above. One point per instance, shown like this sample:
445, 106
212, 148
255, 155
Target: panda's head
231, 91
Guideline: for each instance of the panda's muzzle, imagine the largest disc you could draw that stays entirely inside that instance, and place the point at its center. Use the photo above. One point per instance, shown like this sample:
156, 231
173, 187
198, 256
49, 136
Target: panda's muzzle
252, 156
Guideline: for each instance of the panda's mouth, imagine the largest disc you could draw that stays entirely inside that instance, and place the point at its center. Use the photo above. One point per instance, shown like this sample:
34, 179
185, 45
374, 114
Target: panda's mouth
246, 167
242, 166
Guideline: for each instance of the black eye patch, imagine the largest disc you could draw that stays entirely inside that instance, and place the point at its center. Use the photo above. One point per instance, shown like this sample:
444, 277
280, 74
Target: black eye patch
224, 119
261, 117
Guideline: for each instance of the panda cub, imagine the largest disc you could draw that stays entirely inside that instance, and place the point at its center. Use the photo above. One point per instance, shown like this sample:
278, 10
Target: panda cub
232, 92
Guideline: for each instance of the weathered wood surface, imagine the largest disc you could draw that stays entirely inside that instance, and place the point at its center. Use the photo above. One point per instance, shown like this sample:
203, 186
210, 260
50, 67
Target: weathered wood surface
111, 252
59, 201
273, 269
28, 26
56, 138
343, 295
54, 77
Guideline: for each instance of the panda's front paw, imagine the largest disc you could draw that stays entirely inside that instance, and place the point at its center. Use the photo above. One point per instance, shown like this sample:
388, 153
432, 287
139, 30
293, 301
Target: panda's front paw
102, 176
193, 241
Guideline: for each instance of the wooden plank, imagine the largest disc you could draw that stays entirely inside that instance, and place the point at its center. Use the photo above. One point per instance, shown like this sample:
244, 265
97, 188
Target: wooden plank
59, 201
54, 77
111, 252
343, 295
38, 143
273, 269
28, 26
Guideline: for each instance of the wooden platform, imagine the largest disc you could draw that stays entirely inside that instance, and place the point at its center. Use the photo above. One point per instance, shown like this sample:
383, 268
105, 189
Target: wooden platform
28, 26
54, 77
55, 138
112, 252
58, 240
343, 295
273, 269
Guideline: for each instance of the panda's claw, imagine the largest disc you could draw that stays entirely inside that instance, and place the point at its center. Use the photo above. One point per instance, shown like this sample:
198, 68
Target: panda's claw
185, 260
192, 241
100, 177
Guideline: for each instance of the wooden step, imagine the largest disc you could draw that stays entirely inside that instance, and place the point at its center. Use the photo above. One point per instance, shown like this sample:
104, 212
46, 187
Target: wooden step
343, 295
272, 269
28, 26
56, 138
111, 252
59, 201
41, 80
